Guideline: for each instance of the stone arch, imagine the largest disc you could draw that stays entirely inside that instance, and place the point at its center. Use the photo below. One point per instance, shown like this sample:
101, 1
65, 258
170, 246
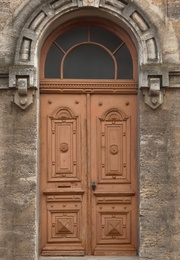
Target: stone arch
132, 19
43, 17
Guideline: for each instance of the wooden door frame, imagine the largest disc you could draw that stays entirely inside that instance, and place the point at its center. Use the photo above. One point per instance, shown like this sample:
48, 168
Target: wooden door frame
88, 88
71, 86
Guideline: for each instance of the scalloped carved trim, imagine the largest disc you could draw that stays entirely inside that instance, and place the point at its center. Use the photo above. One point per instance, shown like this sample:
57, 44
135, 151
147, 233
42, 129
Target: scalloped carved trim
63, 113
88, 87
114, 114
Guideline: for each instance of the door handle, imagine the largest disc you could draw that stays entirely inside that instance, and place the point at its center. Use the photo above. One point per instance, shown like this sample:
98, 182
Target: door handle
93, 185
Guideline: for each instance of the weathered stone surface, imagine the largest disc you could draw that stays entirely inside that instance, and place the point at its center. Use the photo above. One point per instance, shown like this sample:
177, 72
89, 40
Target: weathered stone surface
159, 181
18, 148
173, 9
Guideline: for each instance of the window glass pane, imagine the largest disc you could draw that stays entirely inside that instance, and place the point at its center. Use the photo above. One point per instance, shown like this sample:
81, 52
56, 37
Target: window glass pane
105, 37
53, 61
89, 61
124, 62
72, 37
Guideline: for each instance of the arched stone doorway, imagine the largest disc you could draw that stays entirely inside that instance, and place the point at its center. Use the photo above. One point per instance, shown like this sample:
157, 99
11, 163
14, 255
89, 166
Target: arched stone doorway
89, 182
156, 63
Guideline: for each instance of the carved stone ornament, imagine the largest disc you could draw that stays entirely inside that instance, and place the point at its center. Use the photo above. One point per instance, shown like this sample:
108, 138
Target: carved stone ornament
94, 3
155, 94
23, 80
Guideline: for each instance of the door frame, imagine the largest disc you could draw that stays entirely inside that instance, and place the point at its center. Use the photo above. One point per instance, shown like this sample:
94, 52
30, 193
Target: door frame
71, 86
121, 90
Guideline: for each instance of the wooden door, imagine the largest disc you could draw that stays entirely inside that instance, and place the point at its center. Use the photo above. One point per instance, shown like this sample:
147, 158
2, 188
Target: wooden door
63, 174
114, 172
88, 174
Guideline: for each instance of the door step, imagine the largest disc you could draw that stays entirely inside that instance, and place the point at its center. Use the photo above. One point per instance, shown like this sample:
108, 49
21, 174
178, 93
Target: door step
90, 258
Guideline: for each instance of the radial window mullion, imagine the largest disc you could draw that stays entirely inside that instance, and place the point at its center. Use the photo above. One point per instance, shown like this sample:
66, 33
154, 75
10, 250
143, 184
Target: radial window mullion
119, 47
107, 48
52, 62
89, 34
124, 63
61, 49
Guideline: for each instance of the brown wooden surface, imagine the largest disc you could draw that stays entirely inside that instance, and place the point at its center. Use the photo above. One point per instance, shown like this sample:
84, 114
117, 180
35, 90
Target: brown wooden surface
63, 179
114, 169
88, 138
88, 131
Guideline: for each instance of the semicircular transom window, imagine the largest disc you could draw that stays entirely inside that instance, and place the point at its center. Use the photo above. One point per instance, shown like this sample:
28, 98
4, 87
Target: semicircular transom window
88, 52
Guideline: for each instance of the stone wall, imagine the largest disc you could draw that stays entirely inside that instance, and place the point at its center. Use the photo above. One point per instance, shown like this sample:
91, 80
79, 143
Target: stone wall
159, 129
18, 149
159, 179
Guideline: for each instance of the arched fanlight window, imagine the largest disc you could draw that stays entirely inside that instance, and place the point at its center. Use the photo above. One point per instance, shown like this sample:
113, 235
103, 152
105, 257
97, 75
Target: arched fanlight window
88, 51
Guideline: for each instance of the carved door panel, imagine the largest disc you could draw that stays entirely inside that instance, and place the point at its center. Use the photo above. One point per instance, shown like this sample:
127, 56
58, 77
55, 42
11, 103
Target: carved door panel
114, 171
63, 168
88, 174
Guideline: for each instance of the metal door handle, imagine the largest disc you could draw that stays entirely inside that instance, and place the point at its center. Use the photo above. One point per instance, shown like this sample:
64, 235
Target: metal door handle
93, 185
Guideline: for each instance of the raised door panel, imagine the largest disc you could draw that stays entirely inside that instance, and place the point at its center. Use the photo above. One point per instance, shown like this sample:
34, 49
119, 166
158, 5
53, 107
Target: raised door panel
63, 146
114, 140
63, 171
114, 170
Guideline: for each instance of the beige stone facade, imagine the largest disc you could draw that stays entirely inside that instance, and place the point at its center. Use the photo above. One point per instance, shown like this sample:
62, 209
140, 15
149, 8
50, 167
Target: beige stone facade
154, 26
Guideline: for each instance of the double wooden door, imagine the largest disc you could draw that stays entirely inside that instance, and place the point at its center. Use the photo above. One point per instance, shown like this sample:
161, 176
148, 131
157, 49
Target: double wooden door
88, 174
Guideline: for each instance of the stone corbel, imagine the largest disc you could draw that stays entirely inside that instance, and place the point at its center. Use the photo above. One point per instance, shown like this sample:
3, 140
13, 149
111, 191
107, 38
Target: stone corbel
155, 94
23, 80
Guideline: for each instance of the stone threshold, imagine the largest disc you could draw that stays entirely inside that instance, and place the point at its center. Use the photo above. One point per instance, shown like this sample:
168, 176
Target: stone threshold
89, 258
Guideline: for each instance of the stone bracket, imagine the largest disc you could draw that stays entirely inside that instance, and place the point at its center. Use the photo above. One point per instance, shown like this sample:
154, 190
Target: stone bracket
23, 96
153, 81
155, 94
23, 80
